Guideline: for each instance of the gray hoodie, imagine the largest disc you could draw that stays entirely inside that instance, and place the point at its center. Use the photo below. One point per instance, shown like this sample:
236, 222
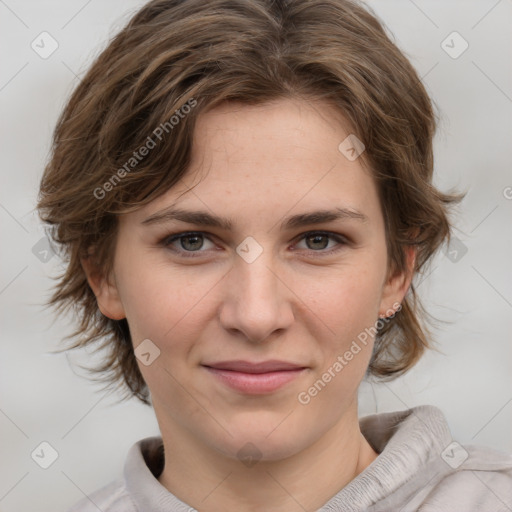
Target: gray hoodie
419, 468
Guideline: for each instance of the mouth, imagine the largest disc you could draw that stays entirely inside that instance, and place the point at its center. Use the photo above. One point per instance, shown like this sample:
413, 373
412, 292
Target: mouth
255, 378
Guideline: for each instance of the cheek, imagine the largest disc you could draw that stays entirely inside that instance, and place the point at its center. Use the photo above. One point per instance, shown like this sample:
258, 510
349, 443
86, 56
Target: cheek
163, 307
159, 300
346, 300
349, 308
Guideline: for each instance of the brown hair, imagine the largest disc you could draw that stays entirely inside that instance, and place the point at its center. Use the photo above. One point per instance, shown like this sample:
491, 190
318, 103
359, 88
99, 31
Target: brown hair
175, 53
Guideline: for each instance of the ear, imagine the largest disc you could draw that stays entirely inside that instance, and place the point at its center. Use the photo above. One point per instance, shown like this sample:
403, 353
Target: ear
397, 284
104, 288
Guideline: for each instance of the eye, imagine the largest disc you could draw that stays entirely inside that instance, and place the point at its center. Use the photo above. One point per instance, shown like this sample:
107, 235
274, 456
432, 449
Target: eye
187, 242
318, 241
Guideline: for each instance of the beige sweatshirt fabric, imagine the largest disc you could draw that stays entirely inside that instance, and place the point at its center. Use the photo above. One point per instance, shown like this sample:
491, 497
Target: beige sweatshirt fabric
419, 468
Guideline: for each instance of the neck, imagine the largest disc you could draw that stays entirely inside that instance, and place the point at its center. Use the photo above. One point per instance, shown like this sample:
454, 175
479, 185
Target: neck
211, 482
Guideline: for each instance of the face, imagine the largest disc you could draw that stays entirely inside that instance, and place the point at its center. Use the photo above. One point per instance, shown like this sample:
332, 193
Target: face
253, 306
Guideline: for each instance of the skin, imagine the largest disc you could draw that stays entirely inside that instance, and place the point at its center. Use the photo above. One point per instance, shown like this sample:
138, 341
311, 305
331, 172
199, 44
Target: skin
302, 300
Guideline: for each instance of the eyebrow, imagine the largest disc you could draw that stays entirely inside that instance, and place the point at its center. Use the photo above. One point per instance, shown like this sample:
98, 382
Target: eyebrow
206, 219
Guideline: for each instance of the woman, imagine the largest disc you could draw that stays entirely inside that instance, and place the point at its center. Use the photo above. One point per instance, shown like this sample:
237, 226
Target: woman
244, 193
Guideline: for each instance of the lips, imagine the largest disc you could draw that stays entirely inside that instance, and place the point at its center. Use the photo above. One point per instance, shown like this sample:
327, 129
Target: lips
249, 367
255, 378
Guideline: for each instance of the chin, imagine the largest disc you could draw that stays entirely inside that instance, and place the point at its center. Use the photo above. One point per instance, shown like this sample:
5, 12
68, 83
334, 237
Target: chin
262, 442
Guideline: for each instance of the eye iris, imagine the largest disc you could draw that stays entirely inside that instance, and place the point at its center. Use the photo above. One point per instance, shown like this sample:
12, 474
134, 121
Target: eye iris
316, 238
197, 242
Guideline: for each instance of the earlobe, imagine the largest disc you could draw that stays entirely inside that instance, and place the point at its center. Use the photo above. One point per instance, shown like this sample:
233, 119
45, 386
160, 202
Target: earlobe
105, 290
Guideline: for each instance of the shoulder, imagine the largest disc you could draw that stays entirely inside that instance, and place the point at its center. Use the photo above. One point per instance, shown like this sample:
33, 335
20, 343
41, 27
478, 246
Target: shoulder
113, 497
420, 468
482, 482
138, 489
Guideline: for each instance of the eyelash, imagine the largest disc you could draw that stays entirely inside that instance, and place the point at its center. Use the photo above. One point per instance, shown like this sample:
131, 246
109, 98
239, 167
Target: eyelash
170, 238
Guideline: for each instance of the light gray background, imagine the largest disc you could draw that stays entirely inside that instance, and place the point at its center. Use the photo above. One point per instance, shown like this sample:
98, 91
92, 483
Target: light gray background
42, 398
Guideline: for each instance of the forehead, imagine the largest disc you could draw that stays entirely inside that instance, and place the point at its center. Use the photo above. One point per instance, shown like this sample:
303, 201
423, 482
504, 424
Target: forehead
276, 156
248, 135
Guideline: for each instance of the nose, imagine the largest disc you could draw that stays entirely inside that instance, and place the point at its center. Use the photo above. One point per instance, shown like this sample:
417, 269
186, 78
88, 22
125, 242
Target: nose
257, 302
